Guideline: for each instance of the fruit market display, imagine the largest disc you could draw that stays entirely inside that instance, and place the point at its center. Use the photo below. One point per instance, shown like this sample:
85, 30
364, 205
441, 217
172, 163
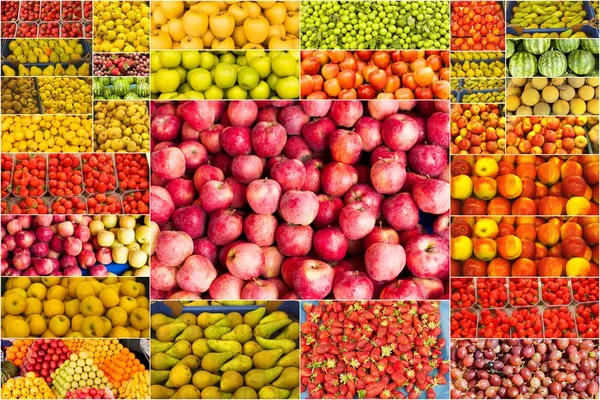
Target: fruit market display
65, 95
366, 74
125, 88
46, 133
555, 96
19, 96
477, 25
121, 26
74, 244
310, 202
121, 64
554, 19
250, 74
272, 25
46, 19
508, 367
373, 350
224, 354
376, 25
553, 58
478, 90
549, 135
74, 307
121, 126
477, 129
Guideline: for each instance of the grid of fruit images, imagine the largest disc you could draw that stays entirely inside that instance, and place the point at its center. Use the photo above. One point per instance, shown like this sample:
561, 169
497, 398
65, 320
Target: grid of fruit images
300, 199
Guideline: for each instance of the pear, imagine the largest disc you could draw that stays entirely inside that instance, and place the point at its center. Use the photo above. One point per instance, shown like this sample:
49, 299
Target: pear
238, 302
251, 348
253, 318
161, 361
8, 71
48, 71
241, 363
213, 392
186, 392
180, 349
291, 359
203, 379
274, 316
31, 58
180, 375
200, 348
231, 381
212, 362
241, 333
192, 361
270, 344
156, 346
43, 58
207, 319
161, 392
288, 379
35, 71
54, 58
64, 57
258, 378
201, 303
231, 320
84, 69
271, 392
267, 329
168, 332
188, 318
58, 71
215, 332
292, 332
157, 320
225, 346
158, 377
79, 49
267, 358
295, 393
245, 392
191, 333
22, 70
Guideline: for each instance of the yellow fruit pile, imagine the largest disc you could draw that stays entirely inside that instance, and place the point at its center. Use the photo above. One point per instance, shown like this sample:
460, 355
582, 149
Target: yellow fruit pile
137, 387
225, 25
121, 126
27, 387
98, 349
121, 26
46, 133
50, 70
74, 307
65, 95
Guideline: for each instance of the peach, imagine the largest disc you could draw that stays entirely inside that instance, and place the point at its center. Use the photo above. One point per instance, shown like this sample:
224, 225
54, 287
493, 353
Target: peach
570, 168
455, 268
473, 206
460, 228
498, 267
526, 171
525, 220
504, 167
572, 247
550, 205
555, 251
578, 206
548, 173
505, 229
528, 249
594, 270
587, 159
474, 267
461, 248
548, 234
540, 251
555, 190
588, 253
455, 207
573, 186
510, 186
485, 187
460, 167
577, 266
461, 187
524, 267
510, 247
589, 193
550, 266
484, 249
540, 190
570, 229
591, 173
526, 231
523, 206
591, 233
529, 188
486, 228
498, 206
595, 254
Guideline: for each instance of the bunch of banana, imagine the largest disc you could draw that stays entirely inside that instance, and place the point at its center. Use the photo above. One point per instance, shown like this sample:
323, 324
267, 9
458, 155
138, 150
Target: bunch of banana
137, 387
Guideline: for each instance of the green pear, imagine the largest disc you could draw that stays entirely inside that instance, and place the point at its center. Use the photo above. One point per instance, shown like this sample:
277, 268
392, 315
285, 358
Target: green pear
192, 361
186, 392
261, 302
187, 318
157, 320
168, 332
258, 378
245, 392
271, 344
161, 392
156, 346
267, 330
203, 379
241, 333
215, 332
238, 302
251, 348
271, 392
295, 393
180, 349
225, 345
180, 375
291, 359
161, 361
288, 379
241, 363
213, 361
191, 333
292, 332
267, 358
213, 392
274, 316
200, 348
158, 377
207, 319
253, 318
231, 320
231, 381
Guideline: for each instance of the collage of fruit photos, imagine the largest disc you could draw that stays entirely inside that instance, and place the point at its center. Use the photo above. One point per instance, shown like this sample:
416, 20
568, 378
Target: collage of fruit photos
303, 199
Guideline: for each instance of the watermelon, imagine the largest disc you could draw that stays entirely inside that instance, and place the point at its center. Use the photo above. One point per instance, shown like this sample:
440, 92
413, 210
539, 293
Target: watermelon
104, 81
581, 62
552, 64
143, 89
523, 65
566, 45
121, 88
510, 48
591, 45
131, 96
537, 46
97, 88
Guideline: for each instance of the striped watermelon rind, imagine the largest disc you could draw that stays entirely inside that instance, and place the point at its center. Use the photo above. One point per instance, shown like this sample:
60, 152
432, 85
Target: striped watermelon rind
552, 64
566, 45
537, 46
510, 48
591, 45
581, 62
523, 65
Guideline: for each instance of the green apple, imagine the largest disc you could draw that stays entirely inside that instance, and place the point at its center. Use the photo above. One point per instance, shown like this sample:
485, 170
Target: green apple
295, 54
241, 60
227, 58
199, 79
190, 59
126, 236
170, 58
182, 73
109, 221
284, 65
142, 234
133, 246
213, 93
169, 96
155, 64
153, 88
262, 91
146, 248
127, 222
262, 65
248, 78
250, 54
193, 95
105, 238
237, 93
137, 258
167, 80
288, 88
225, 75
184, 88
147, 220
272, 81
120, 255
207, 60
181, 96
273, 54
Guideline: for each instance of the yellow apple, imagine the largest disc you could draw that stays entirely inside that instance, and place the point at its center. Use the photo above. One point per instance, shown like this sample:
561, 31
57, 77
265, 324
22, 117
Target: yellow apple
14, 304
117, 316
53, 307
486, 228
139, 318
92, 326
461, 187
59, 325
128, 304
72, 308
37, 324
109, 297
34, 306
461, 248
91, 306
486, 166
